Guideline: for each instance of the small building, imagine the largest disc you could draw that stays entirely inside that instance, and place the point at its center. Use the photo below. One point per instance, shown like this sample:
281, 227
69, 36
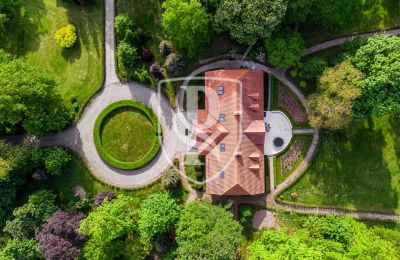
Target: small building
230, 132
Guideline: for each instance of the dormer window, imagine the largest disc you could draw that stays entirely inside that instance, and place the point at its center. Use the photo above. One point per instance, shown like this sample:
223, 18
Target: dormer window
222, 147
220, 90
221, 117
221, 174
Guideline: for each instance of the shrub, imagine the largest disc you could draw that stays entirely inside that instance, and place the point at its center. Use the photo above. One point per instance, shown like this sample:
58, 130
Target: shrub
293, 73
146, 54
175, 64
350, 48
20, 249
246, 213
156, 71
303, 84
170, 178
166, 48
128, 31
56, 159
142, 75
66, 36
127, 54
104, 196
313, 68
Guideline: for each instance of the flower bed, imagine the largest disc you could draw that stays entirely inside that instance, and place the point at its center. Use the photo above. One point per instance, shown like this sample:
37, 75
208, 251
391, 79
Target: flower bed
104, 153
291, 105
289, 159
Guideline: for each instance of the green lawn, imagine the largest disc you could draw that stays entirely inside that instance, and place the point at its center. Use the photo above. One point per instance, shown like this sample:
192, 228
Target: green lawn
127, 134
79, 70
358, 170
360, 22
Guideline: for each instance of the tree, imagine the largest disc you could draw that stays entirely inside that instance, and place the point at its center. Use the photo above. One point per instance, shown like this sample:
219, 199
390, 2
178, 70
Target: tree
298, 10
187, 24
28, 98
379, 60
107, 224
333, 13
249, 20
59, 238
284, 49
332, 104
66, 36
313, 68
15, 162
127, 54
8, 10
57, 158
28, 217
158, 214
21, 249
205, 231
170, 178
128, 31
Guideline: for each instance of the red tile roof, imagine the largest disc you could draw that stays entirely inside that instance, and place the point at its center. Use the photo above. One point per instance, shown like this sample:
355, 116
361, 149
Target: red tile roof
239, 170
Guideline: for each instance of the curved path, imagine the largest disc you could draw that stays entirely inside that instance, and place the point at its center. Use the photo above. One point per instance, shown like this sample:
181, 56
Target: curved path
80, 138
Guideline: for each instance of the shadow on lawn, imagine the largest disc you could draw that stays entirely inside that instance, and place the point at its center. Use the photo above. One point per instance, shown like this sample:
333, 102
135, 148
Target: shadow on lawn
23, 31
351, 169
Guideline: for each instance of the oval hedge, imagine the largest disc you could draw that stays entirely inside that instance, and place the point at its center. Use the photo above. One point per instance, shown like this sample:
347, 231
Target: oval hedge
98, 140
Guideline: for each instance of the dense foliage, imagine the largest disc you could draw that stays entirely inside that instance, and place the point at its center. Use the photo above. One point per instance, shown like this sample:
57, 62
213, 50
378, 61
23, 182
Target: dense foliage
28, 99
128, 31
158, 214
53, 159
313, 68
331, 13
170, 178
298, 10
59, 238
8, 10
284, 48
379, 60
337, 89
127, 54
21, 249
328, 237
31, 215
66, 36
249, 20
205, 231
15, 165
186, 24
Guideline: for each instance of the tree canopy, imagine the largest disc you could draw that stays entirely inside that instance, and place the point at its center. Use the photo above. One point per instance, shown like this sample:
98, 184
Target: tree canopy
337, 89
205, 231
249, 20
22, 249
8, 9
330, 237
31, 215
28, 98
158, 214
186, 24
284, 48
379, 60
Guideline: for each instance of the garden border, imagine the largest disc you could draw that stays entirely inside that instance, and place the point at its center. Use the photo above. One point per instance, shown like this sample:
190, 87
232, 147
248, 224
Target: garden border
105, 156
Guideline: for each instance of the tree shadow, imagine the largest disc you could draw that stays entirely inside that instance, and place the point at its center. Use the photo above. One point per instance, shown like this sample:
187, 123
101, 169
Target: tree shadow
22, 33
72, 54
350, 169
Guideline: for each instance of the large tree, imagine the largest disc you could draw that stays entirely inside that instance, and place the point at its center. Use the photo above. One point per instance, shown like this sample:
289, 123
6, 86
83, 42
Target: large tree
379, 60
249, 20
186, 24
158, 213
59, 238
333, 13
31, 215
205, 231
298, 10
28, 98
332, 104
284, 48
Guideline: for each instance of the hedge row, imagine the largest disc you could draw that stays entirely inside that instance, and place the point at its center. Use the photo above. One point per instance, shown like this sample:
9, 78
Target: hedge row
99, 144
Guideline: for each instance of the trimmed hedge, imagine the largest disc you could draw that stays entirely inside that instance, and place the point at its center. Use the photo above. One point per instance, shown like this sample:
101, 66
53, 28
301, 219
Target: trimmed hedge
99, 144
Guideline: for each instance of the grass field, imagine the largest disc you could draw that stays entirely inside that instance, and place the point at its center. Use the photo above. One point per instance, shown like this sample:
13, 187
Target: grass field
79, 71
358, 170
127, 134
361, 21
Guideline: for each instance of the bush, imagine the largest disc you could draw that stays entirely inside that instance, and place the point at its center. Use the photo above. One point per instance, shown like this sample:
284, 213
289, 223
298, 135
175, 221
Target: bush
293, 73
56, 159
156, 71
104, 196
303, 84
20, 249
66, 36
142, 75
175, 64
97, 135
127, 54
313, 68
350, 48
166, 48
146, 54
128, 31
246, 213
170, 178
